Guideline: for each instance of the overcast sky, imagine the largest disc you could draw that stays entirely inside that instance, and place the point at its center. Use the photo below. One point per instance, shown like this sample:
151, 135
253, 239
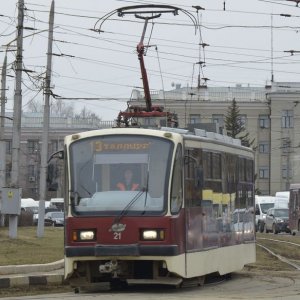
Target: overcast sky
88, 64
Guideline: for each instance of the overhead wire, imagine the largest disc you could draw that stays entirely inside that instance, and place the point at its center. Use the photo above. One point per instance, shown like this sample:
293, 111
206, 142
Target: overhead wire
166, 53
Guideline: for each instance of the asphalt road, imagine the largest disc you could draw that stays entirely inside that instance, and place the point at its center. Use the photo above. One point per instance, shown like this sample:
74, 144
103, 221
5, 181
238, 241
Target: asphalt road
244, 285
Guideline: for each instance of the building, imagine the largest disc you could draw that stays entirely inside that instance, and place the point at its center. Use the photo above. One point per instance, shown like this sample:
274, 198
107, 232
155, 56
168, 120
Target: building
271, 115
30, 148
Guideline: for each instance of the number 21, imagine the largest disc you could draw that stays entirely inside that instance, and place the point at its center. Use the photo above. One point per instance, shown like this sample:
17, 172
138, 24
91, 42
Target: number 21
117, 235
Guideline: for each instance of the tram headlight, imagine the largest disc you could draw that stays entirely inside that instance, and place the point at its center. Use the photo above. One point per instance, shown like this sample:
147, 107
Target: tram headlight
84, 235
152, 234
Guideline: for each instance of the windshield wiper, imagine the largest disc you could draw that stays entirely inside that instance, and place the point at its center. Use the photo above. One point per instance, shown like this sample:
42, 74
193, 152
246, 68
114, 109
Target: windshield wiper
125, 209
147, 188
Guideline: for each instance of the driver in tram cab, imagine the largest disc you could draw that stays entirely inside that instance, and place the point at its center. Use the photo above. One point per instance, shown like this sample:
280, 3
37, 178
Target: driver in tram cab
128, 184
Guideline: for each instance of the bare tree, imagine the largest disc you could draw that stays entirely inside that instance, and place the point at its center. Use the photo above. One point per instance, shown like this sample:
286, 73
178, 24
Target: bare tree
61, 109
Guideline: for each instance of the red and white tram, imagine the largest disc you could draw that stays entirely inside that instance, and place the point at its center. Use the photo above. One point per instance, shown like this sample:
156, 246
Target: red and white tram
192, 214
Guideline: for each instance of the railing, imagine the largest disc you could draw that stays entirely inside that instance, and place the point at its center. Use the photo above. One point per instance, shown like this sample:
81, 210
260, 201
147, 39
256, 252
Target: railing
61, 122
221, 94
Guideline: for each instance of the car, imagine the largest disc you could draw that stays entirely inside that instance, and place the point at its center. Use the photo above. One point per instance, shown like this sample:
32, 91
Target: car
277, 220
54, 218
47, 209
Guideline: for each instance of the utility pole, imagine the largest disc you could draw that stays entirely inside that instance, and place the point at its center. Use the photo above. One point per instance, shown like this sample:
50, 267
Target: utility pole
288, 146
272, 58
13, 219
45, 136
2, 142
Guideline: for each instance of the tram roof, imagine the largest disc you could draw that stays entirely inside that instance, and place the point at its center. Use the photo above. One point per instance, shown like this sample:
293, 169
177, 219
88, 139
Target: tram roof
196, 134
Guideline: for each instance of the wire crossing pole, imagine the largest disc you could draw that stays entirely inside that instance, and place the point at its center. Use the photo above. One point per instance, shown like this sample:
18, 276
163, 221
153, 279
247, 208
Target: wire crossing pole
13, 219
45, 136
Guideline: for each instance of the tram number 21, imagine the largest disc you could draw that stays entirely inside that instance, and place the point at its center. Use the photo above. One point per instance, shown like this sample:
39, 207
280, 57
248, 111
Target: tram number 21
117, 235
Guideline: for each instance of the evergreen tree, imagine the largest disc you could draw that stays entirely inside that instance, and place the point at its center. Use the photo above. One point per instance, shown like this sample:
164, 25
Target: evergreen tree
234, 125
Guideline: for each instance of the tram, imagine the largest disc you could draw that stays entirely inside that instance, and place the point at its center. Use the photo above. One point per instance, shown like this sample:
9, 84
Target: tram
191, 215
294, 208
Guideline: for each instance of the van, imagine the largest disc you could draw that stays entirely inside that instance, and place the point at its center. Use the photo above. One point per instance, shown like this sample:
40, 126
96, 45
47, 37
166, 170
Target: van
57, 202
282, 199
262, 204
29, 204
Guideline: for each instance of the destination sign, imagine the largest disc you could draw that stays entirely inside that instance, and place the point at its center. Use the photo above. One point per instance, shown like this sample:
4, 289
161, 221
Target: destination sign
104, 146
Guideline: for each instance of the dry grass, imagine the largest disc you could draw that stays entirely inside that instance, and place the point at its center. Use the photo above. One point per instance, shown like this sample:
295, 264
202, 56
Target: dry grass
267, 262
28, 249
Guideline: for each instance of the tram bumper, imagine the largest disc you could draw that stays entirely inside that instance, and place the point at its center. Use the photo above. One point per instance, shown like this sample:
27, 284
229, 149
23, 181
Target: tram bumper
130, 264
122, 250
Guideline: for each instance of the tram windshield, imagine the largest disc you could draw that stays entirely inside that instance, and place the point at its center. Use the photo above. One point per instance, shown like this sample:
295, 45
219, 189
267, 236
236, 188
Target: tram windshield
119, 174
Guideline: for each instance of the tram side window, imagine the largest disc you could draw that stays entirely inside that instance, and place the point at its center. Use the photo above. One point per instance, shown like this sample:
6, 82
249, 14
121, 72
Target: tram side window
242, 169
177, 189
245, 189
207, 164
249, 170
216, 166
212, 170
230, 174
193, 177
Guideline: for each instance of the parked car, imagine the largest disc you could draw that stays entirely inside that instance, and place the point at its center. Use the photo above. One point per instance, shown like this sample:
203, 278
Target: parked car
47, 209
277, 220
54, 218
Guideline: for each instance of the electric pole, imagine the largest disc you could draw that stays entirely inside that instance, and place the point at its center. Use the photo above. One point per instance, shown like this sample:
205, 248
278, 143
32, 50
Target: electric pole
2, 142
13, 219
288, 146
45, 136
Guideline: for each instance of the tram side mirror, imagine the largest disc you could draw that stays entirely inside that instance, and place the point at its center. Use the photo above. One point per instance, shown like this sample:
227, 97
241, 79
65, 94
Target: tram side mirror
53, 171
60, 154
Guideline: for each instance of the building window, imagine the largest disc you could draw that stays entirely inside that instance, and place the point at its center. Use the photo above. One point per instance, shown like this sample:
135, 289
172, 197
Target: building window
264, 121
263, 172
33, 146
194, 119
8, 146
263, 147
219, 120
53, 146
243, 120
287, 119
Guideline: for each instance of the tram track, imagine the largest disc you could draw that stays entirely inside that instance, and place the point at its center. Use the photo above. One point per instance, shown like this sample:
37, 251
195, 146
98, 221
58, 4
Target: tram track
294, 264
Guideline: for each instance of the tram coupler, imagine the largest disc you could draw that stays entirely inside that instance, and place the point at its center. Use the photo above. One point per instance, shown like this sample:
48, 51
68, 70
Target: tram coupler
109, 267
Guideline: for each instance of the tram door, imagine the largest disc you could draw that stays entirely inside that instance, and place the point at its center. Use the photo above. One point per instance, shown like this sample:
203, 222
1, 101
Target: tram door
193, 201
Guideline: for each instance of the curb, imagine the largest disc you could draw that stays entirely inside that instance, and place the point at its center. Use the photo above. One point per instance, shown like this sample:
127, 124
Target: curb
31, 280
32, 275
14, 269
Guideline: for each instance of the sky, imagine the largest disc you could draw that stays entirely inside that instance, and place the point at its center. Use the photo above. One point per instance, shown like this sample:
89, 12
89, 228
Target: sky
94, 50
